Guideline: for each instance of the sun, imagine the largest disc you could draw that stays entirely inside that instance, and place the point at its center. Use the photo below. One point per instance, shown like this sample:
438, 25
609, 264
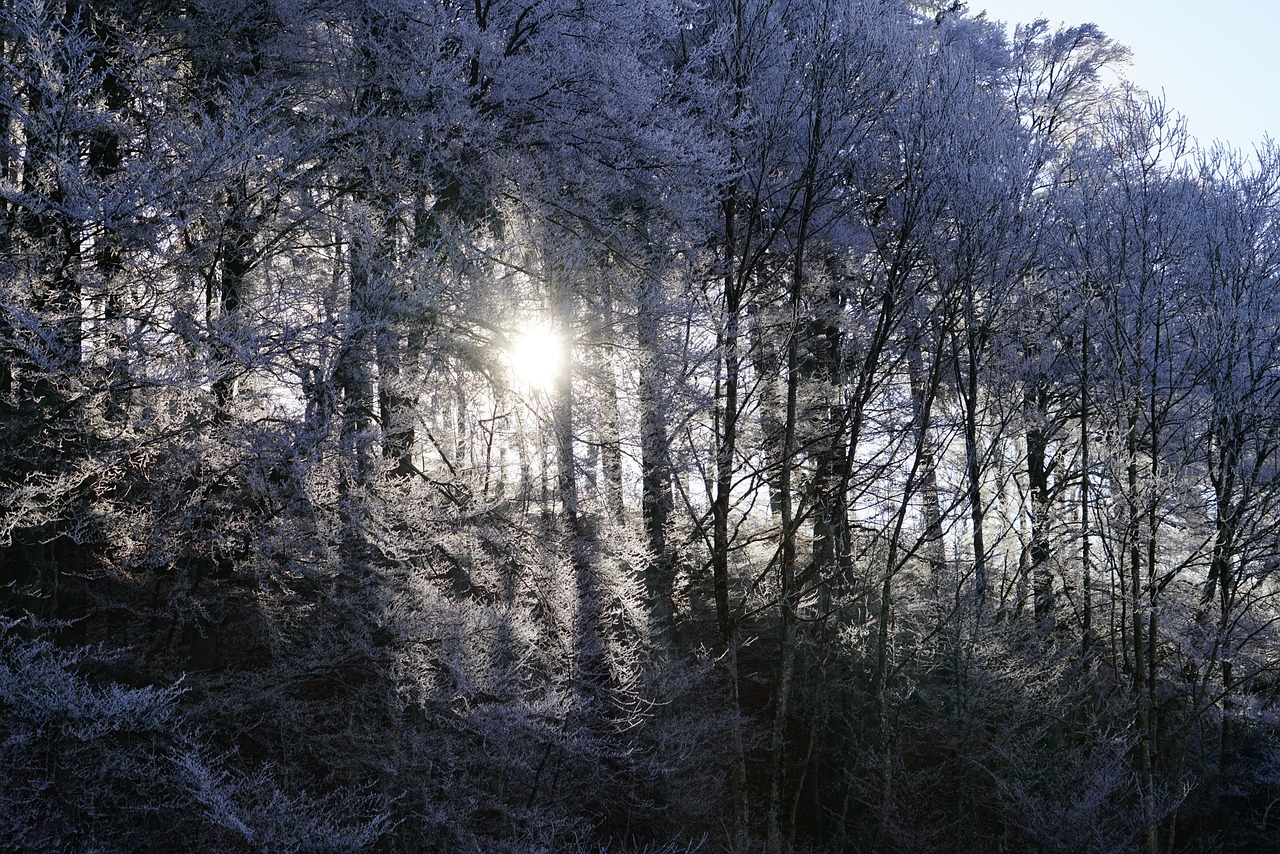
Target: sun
537, 357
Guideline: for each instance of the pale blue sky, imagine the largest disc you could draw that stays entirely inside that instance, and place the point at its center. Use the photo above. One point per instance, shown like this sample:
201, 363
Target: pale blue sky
1218, 62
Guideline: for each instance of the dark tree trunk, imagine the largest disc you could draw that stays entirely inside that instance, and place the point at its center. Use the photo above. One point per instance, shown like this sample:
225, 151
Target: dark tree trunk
655, 463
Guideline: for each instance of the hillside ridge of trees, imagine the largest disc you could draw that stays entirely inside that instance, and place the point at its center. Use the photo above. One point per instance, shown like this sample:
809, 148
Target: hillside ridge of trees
639, 425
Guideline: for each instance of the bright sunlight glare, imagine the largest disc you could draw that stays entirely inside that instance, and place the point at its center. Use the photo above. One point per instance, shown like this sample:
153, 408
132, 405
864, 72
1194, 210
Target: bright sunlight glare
537, 356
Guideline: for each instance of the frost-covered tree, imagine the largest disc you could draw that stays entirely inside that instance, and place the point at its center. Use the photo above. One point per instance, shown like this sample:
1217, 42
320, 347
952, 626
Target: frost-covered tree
868, 330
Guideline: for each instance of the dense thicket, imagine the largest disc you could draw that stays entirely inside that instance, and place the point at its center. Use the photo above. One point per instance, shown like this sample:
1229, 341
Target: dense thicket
452, 426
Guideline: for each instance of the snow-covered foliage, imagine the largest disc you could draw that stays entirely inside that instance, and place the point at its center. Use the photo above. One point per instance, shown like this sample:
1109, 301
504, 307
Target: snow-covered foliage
92, 764
905, 476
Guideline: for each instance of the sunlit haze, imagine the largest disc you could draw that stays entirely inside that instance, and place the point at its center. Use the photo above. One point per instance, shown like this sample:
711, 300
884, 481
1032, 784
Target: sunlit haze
537, 357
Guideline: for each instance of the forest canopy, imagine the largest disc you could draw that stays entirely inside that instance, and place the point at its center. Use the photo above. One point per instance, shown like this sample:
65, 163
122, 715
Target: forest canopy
639, 425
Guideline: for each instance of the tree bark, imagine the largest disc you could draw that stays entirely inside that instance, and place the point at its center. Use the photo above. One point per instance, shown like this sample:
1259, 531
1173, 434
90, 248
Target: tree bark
726, 456
655, 462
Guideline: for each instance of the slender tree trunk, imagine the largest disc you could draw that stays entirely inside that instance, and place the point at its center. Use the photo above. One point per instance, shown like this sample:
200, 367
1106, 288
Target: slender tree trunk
968, 385
726, 457
1035, 407
1086, 563
1154, 425
764, 357
934, 546
106, 159
610, 429
655, 462
1139, 674
920, 463
787, 586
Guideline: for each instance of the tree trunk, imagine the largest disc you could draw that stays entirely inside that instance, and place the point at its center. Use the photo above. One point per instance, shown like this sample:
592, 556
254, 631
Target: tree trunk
1086, 567
968, 386
1035, 405
610, 429
223, 308
787, 587
655, 463
921, 392
356, 358
726, 454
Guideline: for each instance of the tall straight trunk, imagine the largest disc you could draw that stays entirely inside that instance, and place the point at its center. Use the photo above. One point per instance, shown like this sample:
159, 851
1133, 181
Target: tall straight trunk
10, 144
1220, 585
354, 371
396, 402
921, 393
396, 349
880, 687
591, 672
562, 428
1035, 407
1155, 420
655, 462
610, 429
58, 237
787, 587
106, 159
353, 375
764, 356
1226, 450
726, 454
831, 532
832, 564
1086, 568
611, 442
1138, 631
966, 374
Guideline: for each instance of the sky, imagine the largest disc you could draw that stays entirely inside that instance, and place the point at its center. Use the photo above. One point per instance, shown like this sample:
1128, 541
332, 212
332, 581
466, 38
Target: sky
1216, 60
